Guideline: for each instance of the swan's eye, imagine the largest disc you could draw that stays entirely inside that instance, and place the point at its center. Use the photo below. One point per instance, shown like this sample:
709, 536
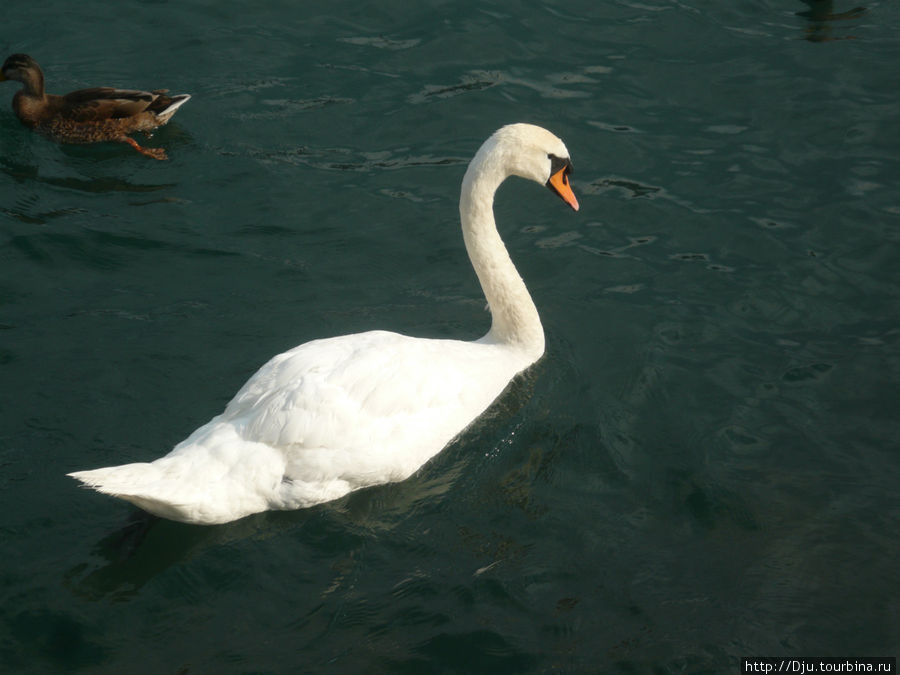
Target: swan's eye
558, 164
560, 168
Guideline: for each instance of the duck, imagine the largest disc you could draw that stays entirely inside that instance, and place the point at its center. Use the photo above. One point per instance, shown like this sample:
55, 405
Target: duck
338, 414
88, 115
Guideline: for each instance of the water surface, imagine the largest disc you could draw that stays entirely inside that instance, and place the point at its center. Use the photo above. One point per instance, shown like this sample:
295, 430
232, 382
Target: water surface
704, 465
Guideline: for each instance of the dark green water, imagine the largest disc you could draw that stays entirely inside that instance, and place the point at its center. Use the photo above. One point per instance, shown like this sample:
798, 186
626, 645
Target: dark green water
705, 464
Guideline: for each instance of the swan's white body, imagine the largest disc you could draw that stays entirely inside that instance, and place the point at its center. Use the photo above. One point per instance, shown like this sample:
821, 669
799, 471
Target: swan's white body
342, 413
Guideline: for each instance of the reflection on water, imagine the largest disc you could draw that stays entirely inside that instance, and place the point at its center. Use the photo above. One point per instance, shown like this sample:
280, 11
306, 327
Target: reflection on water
133, 555
821, 15
30, 174
99, 184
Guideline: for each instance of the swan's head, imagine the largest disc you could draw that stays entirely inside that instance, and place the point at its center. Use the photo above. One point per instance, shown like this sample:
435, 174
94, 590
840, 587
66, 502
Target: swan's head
531, 152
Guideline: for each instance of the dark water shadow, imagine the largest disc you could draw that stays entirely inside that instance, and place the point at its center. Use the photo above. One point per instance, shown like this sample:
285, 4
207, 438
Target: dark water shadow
27, 173
124, 560
822, 15
132, 555
145, 546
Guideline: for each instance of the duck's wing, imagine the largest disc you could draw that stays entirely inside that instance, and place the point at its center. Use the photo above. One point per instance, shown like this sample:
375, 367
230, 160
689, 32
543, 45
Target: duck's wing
103, 103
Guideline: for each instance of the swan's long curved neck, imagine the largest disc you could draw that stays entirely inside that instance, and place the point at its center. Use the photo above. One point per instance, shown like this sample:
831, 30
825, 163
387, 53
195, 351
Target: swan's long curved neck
515, 319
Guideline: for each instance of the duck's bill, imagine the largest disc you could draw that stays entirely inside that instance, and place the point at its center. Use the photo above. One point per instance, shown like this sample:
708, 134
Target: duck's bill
559, 183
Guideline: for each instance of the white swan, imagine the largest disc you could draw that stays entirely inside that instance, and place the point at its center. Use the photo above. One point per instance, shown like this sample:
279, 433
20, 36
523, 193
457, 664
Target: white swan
342, 413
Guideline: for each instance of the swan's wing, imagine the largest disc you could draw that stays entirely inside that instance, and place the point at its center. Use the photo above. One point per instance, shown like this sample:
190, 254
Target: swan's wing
360, 398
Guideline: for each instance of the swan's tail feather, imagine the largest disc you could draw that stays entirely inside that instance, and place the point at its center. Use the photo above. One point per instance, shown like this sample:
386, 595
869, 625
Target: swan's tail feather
127, 479
142, 484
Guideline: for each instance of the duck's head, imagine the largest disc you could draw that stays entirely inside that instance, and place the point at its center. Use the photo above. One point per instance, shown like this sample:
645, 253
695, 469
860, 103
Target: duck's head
532, 152
22, 68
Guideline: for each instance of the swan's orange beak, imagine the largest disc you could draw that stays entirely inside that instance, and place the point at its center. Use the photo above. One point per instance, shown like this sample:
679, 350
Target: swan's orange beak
559, 183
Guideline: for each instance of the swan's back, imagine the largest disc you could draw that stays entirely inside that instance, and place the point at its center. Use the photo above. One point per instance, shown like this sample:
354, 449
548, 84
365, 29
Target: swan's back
383, 393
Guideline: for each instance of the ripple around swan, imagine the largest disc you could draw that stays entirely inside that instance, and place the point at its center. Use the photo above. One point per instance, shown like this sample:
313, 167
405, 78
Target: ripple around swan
346, 159
282, 108
470, 83
563, 85
381, 42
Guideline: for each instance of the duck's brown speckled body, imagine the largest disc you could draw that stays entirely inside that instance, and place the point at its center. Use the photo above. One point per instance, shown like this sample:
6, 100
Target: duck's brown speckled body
88, 115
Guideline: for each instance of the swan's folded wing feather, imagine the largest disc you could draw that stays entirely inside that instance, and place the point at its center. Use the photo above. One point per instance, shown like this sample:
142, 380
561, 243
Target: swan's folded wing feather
367, 390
